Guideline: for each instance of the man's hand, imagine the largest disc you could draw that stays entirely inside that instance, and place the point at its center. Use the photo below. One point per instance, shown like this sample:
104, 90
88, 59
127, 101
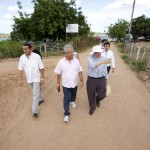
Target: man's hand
20, 83
113, 70
41, 81
107, 61
81, 84
58, 87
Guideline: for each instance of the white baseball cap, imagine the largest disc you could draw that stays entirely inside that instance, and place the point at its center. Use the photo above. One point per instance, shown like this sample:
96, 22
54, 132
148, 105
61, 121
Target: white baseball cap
96, 49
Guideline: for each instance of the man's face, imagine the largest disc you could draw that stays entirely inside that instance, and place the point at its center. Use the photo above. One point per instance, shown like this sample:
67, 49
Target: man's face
69, 53
27, 50
97, 55
106, 47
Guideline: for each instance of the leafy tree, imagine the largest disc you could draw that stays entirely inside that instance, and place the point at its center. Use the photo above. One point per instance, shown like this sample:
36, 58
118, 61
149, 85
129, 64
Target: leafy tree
49, 19
118, 30
140, 27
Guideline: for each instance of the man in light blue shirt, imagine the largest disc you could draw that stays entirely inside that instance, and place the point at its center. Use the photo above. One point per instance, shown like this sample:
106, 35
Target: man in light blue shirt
97, 76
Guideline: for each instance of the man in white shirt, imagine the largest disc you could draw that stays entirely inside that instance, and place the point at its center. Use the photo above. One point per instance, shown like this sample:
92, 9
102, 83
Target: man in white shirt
33, 67
108, 54
68, 69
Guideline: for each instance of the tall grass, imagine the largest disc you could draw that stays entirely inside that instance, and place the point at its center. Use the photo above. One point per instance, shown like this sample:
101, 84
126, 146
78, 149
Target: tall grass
10, 48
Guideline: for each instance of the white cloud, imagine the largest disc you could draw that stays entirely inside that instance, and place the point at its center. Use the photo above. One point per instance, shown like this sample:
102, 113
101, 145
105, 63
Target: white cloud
28, 10
12, 8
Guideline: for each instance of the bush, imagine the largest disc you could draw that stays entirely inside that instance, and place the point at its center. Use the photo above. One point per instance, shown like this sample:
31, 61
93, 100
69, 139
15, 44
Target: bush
10, 49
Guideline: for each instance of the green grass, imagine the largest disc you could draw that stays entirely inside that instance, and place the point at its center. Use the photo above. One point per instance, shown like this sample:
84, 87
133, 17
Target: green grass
126, 59
139, 65
121, 47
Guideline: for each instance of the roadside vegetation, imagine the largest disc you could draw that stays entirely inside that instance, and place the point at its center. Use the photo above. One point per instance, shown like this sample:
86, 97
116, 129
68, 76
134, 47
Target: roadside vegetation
137, 65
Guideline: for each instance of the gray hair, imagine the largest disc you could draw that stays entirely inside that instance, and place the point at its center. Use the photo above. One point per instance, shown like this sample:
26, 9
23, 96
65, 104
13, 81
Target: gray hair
67, 46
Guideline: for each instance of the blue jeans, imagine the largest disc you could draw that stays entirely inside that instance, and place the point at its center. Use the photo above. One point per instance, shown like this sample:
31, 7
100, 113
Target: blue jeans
69, 96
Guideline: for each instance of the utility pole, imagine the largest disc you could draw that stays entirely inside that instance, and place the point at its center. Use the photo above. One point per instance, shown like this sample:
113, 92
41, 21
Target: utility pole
130, 25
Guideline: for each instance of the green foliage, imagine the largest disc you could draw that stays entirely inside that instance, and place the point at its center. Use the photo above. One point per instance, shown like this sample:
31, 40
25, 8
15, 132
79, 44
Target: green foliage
49, 19
140, 27
82, 43
121, 47
126, 59
139, 65
118, 30
10, 49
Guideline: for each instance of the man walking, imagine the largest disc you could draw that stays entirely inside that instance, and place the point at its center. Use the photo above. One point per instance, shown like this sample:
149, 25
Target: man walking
68, 69
97, 75
108, 54
34, 70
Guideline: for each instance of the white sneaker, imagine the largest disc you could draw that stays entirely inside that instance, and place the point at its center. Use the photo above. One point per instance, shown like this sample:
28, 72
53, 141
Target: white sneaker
73, 104
66, 119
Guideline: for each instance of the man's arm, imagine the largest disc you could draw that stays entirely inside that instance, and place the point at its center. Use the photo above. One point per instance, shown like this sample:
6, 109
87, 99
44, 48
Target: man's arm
58, 82
113, 63
20, 74
81, 79
42, 76
107, 61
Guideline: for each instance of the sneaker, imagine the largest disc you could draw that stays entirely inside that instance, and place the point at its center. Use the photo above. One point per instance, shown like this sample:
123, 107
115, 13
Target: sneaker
66, 119
98, 104
35, 115
73, 104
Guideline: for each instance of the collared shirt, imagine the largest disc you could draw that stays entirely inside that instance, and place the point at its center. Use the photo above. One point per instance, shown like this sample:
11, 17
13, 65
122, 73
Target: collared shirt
69, 72
109, 55
31, 67
97, 72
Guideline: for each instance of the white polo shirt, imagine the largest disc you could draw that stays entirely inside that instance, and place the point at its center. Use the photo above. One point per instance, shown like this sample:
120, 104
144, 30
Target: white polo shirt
31, 67
109, 55
69, 72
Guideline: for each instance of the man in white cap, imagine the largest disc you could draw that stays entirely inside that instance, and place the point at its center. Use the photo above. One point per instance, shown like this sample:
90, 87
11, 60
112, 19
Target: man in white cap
97, 76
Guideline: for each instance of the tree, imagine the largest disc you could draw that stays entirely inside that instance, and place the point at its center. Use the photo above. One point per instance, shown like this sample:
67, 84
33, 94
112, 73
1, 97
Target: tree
49, 19
118, 30
140, 27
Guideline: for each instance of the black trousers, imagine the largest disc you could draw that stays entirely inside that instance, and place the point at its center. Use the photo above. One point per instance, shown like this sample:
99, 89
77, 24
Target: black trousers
95, 90
108, 69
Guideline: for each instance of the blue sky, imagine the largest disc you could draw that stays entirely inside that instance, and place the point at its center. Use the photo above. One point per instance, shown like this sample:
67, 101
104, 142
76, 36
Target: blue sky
100, 13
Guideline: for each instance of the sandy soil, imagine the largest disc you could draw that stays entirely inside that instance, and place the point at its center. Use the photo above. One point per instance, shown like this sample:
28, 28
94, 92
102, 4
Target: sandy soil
121, 123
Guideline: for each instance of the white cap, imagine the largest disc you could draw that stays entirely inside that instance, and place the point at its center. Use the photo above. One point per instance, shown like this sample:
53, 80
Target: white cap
97, 49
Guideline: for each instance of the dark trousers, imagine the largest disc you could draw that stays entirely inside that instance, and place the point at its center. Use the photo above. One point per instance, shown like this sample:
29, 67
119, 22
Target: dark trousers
69, 96
95, 90
108, 69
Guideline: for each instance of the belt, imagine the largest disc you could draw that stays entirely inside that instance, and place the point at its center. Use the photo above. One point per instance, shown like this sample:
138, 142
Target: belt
96, 78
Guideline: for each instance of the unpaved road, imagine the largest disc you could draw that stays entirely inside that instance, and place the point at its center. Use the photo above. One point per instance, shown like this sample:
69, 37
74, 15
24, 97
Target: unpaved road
121, 123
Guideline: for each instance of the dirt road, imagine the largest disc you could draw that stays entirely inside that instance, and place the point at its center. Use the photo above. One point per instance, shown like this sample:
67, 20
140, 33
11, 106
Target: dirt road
121, 123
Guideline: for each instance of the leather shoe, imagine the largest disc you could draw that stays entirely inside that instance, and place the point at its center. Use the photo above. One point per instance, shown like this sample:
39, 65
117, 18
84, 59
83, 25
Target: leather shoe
91, 112
40, 102
35, 115
98, 104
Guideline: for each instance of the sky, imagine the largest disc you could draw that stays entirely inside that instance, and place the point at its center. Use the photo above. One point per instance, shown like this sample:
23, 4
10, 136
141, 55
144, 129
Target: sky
99, 13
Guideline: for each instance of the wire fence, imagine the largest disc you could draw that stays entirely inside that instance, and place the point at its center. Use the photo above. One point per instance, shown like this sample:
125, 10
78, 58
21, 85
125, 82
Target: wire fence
139, 52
